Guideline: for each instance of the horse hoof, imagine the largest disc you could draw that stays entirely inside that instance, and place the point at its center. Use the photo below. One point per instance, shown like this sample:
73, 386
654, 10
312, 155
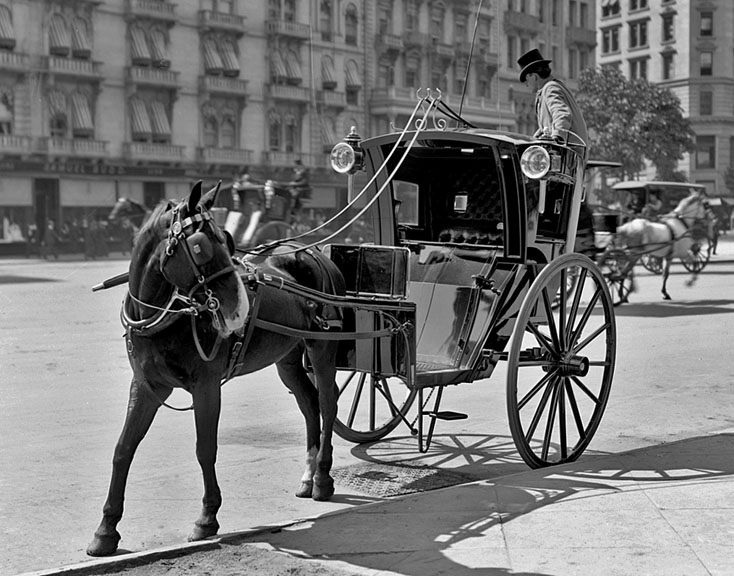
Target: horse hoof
666, 297
203, 532
305, 490
103, 545
323, 492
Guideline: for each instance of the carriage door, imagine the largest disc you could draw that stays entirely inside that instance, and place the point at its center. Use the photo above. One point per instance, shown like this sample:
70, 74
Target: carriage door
46, 203
153, 193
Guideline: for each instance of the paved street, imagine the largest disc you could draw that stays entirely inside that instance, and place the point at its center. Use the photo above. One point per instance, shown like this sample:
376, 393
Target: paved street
64, 387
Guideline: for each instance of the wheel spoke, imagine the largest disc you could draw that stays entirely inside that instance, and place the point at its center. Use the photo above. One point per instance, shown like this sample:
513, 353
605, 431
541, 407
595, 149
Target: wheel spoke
575, 409
538, 413
348, 381
585, 390
562, 419
586, 341
529, 396
551, 321
586, 315
543, 340
580, 284
355, 400
548, 436
562, 311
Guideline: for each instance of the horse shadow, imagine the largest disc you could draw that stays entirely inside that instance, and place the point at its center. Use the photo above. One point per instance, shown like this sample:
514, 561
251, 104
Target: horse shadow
465, 531
674, 308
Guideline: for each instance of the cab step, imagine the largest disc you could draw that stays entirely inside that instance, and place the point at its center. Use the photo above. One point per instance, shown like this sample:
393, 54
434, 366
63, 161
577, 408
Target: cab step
447, 415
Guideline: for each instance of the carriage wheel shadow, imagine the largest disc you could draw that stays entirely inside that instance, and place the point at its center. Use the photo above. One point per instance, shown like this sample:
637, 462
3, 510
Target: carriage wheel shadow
423, 534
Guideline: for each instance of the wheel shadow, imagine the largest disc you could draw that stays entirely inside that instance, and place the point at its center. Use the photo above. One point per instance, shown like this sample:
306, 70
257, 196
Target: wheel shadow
467, 530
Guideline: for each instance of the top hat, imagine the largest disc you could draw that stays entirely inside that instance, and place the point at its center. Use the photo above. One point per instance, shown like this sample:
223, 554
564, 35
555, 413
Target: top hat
530, 60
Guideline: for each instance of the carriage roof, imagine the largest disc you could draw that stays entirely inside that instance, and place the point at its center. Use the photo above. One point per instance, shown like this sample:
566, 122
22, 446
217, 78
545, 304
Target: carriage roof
480, 136
656, 185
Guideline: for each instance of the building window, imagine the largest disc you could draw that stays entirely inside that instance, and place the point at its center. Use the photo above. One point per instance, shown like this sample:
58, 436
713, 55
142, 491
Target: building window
706, 103
352, 97
411, 15
541, 11
572, 63
610, 8
668, 66
638, 69
638, 34
638, 5
384, 18
511, 52
707, 63
291, 134
326, 20
211, 136
668, 27
583, 14
386, 73
438, 16
228, 133
59, 37
705, 152
554, 12
460, 28
274, 132
610, 40
351, 25
572, 12
707, 24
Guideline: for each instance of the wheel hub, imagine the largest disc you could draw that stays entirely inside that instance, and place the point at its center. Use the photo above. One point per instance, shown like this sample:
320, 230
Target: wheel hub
573, 366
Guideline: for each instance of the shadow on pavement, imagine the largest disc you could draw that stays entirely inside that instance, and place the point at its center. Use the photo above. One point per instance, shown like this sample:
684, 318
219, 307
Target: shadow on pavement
670, 308
463, 531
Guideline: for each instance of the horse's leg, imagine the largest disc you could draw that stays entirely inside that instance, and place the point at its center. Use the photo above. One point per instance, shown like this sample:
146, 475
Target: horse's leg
323, 358
207, 408
141, 409
294, 376
666, 273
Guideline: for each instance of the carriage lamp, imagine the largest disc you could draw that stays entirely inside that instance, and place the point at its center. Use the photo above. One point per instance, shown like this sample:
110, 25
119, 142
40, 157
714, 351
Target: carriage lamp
535, 162
347, 157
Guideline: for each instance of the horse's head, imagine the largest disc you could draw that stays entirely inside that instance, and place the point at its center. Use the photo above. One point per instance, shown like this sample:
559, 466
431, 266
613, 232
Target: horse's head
692, 207
183, 244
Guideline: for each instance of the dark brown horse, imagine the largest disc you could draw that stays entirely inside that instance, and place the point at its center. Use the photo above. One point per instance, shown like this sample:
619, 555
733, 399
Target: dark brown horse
190, 324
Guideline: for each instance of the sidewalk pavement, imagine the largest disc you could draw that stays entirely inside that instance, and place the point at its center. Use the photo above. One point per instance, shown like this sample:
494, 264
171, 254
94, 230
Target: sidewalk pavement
661, 510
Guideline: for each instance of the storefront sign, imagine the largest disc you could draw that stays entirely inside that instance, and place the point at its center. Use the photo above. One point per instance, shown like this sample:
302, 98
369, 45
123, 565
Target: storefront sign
90, 169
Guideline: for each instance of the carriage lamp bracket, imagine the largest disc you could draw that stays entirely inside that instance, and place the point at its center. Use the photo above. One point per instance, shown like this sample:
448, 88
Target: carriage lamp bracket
347, 157
484, 283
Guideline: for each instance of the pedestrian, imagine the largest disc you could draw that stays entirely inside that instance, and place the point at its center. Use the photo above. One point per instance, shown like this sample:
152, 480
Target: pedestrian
50, 241
559, 116
299, 187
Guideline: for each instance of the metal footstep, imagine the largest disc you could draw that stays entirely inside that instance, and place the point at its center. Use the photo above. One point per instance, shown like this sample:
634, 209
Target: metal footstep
447, 415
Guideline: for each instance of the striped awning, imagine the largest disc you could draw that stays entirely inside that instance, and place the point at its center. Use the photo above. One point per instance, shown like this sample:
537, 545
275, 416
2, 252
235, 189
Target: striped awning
328, 137
80, 45
57, 102
7, 36
5, 114
59, 39
328, 77
229, 59
278, 66
140, 121
139, 46
212, 61
293, 67
159, 119
353, 79
159, 50
81, 115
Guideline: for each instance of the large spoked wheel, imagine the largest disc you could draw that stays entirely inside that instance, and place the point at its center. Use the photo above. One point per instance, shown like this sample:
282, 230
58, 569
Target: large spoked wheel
561, 363
652, 264
698, 255
616, 267
370, 407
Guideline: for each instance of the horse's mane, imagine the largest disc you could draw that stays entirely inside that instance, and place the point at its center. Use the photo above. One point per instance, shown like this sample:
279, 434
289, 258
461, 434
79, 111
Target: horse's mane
152, 226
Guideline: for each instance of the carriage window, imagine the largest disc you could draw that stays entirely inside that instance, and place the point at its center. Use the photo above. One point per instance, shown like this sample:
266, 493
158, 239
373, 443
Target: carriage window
406, 202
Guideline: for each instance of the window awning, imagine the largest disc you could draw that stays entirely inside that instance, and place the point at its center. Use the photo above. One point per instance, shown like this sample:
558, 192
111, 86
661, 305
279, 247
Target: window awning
229, 59
59, 40
5, 114
81, 115
353, 79
293, 67
139, 46
159, 119
278, 66
7, 36
57, 102
80, 45
159, 50
140, 121
212, 61
328, 137
328, 77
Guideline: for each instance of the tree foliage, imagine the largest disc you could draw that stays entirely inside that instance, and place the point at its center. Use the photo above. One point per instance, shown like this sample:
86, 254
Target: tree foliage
631, 121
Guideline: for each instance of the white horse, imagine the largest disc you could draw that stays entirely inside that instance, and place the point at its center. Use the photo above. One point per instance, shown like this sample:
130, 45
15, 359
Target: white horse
671, 237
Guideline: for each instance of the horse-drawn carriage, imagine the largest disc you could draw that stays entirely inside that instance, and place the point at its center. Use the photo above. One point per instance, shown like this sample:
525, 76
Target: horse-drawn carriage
471, 244
652, 223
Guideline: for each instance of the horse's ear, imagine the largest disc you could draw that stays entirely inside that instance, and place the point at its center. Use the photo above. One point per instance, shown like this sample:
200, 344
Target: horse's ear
210, 197
194, 197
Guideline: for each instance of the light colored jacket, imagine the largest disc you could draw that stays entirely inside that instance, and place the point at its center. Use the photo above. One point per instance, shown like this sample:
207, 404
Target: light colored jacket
558, 112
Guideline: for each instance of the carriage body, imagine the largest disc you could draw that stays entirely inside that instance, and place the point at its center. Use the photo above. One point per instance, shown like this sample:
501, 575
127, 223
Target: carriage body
461, 235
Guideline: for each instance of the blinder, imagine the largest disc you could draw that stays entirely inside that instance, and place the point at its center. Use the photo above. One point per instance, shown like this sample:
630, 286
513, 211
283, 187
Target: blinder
201, 248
